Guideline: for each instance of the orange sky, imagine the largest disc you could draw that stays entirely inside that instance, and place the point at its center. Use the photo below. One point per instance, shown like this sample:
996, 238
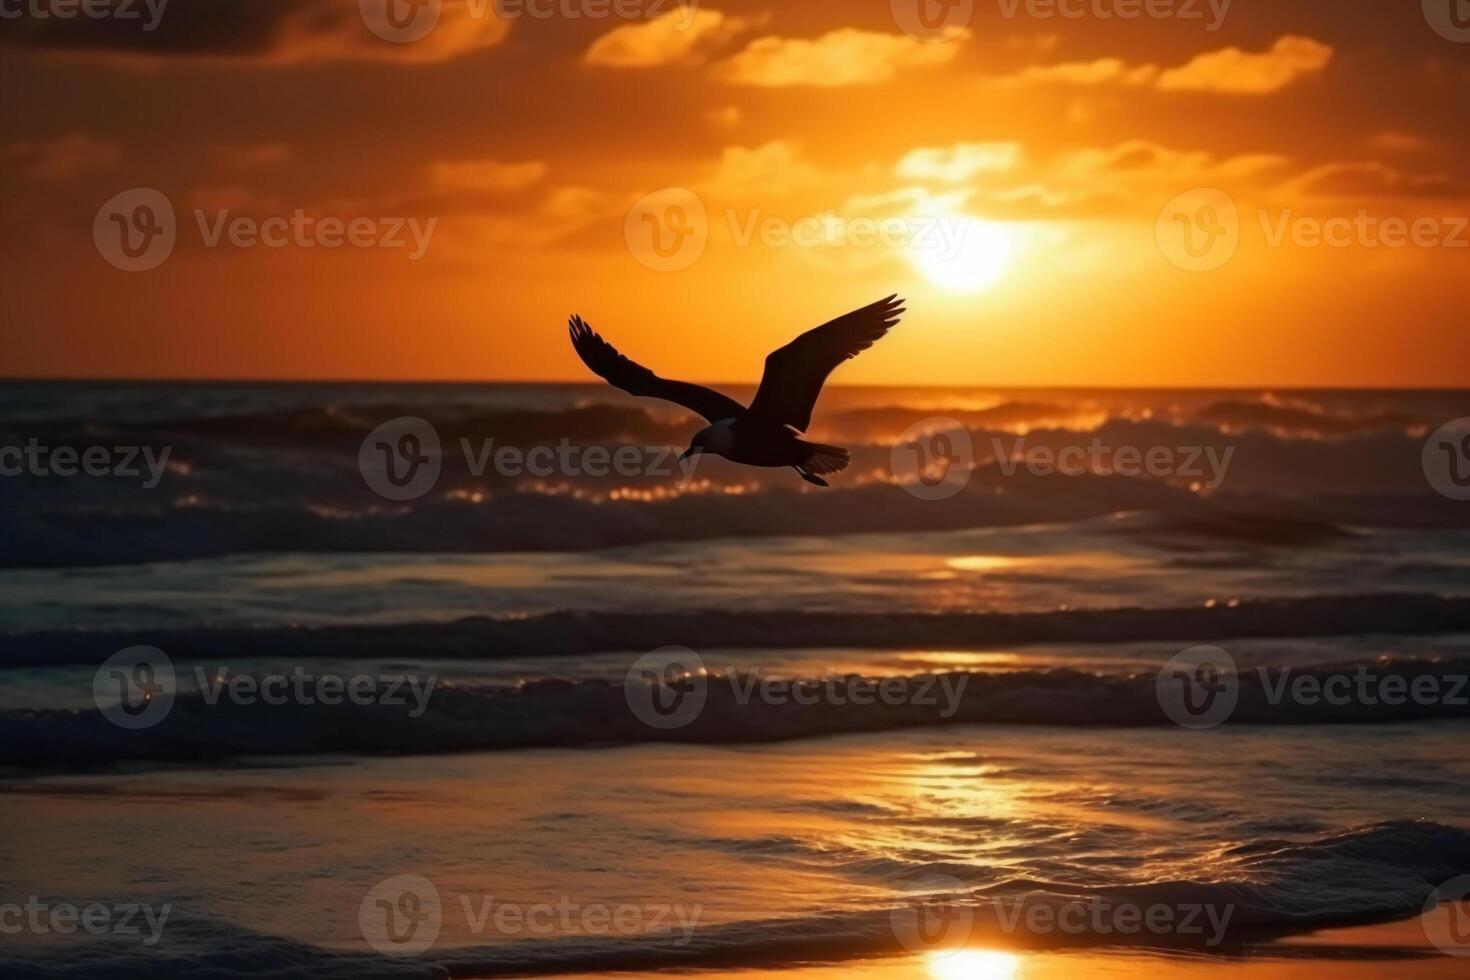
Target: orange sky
1026, 180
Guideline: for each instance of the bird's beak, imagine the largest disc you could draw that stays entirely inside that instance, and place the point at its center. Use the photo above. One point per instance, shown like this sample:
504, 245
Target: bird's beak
691, 451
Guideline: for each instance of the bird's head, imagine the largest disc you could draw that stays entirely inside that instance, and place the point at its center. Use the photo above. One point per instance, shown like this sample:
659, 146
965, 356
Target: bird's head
697, 445
718, 439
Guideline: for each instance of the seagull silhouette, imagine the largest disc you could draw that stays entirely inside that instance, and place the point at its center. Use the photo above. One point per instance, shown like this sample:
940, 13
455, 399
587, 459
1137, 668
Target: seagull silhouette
768, 432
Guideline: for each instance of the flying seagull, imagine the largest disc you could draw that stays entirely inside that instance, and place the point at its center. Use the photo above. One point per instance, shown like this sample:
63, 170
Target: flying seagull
768, 432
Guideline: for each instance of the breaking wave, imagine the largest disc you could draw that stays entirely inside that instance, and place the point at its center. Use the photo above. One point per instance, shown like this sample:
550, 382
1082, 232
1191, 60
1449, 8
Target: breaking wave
1259, 891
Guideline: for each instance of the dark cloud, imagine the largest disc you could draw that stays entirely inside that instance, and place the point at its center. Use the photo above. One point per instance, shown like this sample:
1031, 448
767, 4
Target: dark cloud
218, 28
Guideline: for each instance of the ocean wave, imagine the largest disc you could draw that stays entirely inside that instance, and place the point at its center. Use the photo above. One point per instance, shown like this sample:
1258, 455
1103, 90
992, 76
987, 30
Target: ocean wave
572, 633
1256, 892
1305, 419
287, 478
423, 717
563, 519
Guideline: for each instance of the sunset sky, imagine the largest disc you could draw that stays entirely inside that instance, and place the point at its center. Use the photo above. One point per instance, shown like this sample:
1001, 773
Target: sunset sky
1051, 147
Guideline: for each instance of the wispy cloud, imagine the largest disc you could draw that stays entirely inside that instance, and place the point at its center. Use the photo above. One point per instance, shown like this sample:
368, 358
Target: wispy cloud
675, 39
259, 32
58, 159
485, 175
1228, 71
838, 59
1238, 72
959, 162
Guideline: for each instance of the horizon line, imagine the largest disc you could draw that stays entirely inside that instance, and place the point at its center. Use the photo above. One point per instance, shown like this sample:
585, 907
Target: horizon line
597, 383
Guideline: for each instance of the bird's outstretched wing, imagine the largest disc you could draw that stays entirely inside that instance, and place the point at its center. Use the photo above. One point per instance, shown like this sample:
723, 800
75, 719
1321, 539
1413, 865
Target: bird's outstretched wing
795, 373
603, 358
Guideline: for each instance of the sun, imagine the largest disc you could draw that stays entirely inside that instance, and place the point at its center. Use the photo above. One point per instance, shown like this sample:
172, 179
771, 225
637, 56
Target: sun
964, 255
974, 964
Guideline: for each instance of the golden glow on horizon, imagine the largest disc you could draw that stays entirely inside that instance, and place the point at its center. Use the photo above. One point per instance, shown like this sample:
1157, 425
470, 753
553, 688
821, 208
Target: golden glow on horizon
974, 964
1056, 161
983, 563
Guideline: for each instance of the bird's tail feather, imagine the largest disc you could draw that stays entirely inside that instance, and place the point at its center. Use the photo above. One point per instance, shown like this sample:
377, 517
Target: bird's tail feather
823, 460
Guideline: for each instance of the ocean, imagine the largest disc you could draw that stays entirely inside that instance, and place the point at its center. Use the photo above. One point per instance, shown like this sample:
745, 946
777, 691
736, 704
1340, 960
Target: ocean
361, 680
